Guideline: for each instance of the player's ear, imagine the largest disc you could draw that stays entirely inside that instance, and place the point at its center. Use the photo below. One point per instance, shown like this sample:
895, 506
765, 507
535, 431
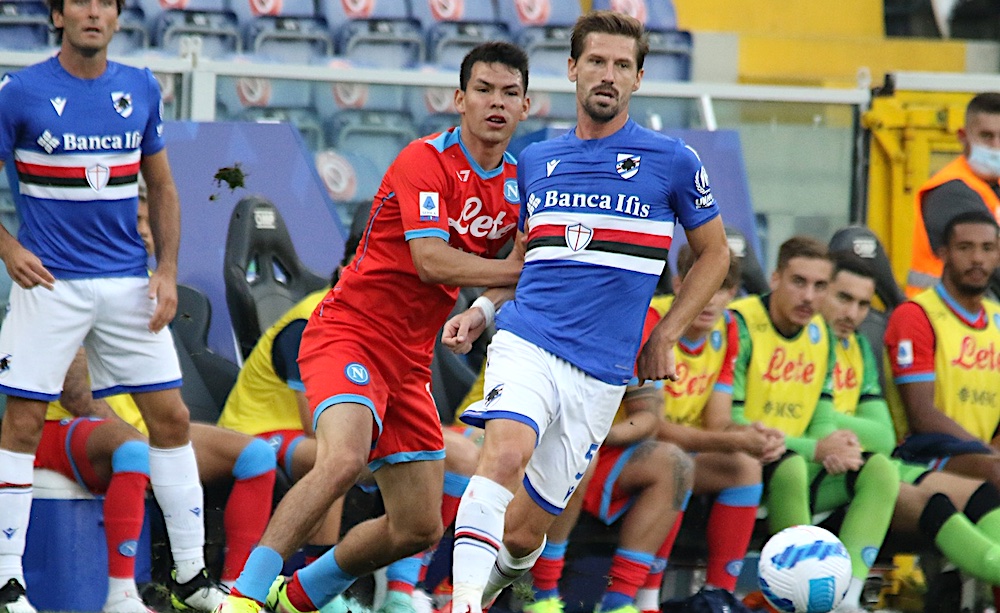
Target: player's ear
638, 79
571, 69
775, 277
526, 108
460, 100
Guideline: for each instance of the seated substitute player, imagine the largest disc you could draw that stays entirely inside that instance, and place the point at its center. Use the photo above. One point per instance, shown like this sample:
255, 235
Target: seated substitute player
944, 349
102, 445
928, 500
783, 377
698, 418
445, 207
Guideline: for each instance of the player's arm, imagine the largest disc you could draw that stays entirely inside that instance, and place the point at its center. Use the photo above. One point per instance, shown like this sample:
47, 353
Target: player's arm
165, 223
641, 406
838, 450
76, 395
438, 262
871, 421
909, 341
708, 242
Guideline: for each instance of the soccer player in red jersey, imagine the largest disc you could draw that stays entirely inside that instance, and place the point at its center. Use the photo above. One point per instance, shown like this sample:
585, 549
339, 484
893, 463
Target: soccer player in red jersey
445, 207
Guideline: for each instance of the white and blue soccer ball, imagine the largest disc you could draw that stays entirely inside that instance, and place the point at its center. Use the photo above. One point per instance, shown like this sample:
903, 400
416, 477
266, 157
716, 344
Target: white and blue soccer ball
804, 569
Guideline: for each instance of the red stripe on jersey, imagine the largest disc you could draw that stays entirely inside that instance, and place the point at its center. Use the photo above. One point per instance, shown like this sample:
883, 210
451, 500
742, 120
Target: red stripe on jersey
603, 234
73, 172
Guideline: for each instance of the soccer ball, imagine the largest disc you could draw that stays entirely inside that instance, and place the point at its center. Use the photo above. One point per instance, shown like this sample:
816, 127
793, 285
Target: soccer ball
804, 569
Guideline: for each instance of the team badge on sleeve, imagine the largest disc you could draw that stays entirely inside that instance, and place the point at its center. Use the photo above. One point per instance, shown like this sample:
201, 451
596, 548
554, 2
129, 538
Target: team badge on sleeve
904, 353
627, 165
430, 206
705, 198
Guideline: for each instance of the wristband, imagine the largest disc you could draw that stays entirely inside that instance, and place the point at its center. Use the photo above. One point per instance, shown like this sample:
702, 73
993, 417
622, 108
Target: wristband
486, 306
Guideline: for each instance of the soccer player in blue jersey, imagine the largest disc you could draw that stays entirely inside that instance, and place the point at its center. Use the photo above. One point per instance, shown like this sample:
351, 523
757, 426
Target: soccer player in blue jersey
598, 208
74, 131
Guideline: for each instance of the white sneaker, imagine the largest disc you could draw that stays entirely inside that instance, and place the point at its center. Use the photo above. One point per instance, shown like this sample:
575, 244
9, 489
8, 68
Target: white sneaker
201, 593
13, 598
125, 602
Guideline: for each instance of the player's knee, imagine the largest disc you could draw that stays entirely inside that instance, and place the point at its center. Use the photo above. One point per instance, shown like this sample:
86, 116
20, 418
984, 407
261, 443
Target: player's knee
24, 424
461, 456
679, 471
879, 474
256, 459
505, 463
522, 539
420, 533
131, 457
339, 467
169, 424
746, 469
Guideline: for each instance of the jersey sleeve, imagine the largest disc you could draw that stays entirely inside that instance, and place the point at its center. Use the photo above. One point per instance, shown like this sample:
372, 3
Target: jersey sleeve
740, 366
909, 343
691, 196
152, 137
724, 383
10, 105
870, 386
285, 354
422, 191
831, 364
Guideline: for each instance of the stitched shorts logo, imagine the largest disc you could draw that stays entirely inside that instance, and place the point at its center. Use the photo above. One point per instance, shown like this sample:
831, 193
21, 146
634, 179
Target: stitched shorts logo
493, 395
356, 373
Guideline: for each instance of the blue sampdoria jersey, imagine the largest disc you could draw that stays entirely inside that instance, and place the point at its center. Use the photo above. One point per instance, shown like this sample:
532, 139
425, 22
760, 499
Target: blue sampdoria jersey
600, 215
72, 149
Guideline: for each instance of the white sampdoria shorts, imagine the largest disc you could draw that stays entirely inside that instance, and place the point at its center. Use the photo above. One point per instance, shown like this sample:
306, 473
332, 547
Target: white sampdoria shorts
108, 316
570, 411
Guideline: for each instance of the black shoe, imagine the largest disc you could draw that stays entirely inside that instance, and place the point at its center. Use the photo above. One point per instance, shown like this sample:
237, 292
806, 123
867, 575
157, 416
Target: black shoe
13, 598
201, 593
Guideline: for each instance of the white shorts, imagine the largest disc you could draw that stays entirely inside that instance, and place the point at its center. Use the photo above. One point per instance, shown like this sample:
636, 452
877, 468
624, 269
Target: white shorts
108, 316
570, 411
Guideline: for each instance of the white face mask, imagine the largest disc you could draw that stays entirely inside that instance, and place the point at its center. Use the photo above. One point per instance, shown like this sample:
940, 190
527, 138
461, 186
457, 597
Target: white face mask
985, 161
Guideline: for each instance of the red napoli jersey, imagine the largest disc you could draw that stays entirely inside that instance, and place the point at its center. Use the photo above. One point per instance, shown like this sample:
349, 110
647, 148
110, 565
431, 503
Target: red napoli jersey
433, 189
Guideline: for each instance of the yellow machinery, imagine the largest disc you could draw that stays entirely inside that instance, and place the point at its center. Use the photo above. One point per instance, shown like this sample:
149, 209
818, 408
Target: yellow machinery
912, 135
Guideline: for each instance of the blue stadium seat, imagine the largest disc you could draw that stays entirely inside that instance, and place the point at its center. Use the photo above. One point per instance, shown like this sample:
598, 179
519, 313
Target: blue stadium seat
333, 96
669, 57
373, 33
24, 26
378, 136
210, 20
305, 119
542, 28
132, 36
351, 180
285, 30
453, 28
238, 93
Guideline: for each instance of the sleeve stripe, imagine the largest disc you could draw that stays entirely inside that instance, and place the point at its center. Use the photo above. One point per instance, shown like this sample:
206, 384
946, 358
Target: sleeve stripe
920, 377
426, 233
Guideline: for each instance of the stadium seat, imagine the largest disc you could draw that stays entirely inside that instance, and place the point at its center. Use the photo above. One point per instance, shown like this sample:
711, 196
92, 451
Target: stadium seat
542, 28
377, 136
208, 377
754, 281
263, 274
285, 30
24, 26
209, 21
453, 28
669, 57
862, 242
372, 33
351, 180
132, 36
331, 97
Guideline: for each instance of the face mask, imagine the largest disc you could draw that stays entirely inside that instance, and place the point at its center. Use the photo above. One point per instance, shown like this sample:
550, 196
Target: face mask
985, 161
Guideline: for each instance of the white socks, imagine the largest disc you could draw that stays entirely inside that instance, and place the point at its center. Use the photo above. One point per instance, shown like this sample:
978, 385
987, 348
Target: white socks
478, 536
16, 478
507, 570
173, 474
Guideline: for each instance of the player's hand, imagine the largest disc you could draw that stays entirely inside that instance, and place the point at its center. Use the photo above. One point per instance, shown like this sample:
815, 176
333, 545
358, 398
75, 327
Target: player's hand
27, 270
753, 442
463, 329
656, 360
839, 451
775, 447
162, 289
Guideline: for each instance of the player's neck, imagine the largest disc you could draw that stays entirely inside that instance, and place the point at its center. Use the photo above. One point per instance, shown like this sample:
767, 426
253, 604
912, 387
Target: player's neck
971, 303
784, 326
489, 156
588, 129
83, 66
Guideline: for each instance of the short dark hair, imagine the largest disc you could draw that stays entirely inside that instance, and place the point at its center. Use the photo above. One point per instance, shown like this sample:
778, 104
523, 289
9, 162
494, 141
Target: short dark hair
494, 52
58, 5
609, 22
685, 260
986, 102
972, 217
801, 247
848, 261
